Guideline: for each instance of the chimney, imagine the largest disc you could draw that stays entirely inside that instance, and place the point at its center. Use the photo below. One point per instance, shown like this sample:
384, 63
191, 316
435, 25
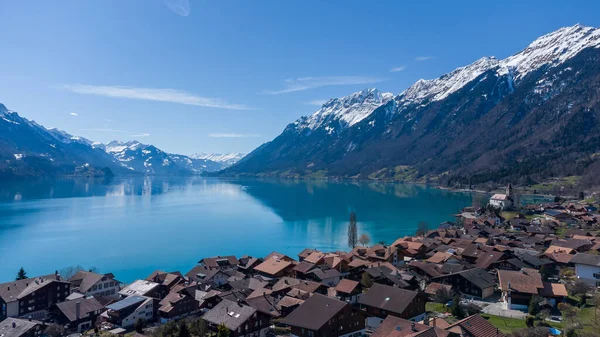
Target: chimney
412, 327
14, 325
77, 310
29, 318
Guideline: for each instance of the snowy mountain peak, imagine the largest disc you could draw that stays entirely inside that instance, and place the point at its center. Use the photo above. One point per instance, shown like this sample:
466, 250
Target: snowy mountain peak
347, 110
440, 88
119, 146
551, 49
226, 159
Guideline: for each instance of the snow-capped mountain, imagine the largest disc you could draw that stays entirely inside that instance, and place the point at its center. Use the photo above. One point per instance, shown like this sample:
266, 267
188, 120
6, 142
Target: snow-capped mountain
504, 117
225, 160
29, 149
151, 160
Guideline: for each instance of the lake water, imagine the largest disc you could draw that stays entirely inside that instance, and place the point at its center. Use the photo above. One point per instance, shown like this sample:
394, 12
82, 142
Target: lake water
131, 227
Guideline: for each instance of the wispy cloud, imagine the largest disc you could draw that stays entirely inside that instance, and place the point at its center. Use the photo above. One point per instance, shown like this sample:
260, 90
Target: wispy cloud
150, 94
305, 83
74, 114
179, 7
128, 133
424, 58
317, 102
232, 135
397, 69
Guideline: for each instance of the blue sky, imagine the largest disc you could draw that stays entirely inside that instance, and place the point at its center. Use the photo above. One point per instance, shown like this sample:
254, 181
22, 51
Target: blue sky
225, 76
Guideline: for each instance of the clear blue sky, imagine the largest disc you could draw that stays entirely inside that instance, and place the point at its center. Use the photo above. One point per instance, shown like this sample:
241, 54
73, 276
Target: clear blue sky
223, 76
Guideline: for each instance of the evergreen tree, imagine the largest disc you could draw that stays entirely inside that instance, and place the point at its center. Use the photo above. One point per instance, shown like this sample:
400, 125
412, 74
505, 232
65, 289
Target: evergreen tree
366, 280
183, 330
456, 310
198, 327
21, 275
140, 324
352, 231
422, 229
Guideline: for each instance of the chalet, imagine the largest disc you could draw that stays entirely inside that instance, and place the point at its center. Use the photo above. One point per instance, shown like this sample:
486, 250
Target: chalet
322, 316
434, 287
472, 282
275, 266
78, 315
381, 300
126, 312
329, 277
348, 291
555, 215
166, 281
242, 320
202, 274
519, 286
247, 263
15, 327
220, 262
33, 296
587, 268
141, 288
94, 284
177, 305
391, 276
302, 270
398, 327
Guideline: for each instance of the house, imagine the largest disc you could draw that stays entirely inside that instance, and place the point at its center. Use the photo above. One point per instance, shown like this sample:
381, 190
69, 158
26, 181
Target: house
203, 274
176, 305
94, 284
220, 262
242, 320
348, 291
398, 327
507, 201
587, 268
381, 300
126, 312
78, 315
474, 326
166, 281
141, 288
33, 296
247, 263
329, 277
443, 257
555, 215
302, 270
322, 316
474, 282
434, 287
519, 286
489, 259
15, 327
275, 267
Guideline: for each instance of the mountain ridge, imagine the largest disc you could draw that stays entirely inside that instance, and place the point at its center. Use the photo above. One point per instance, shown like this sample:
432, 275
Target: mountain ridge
471, 124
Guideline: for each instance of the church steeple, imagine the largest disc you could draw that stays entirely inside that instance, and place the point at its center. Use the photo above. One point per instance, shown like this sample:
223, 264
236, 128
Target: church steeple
509, 190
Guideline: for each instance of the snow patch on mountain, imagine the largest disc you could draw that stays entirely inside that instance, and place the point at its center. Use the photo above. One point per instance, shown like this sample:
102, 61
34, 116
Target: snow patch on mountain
226, 159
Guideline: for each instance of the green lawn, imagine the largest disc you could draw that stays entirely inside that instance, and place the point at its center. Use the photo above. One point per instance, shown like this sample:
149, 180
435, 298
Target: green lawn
436, 307
506, 325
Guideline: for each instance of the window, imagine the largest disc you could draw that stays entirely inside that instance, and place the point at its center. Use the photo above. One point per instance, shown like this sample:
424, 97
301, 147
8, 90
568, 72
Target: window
597, 275
100, 286
94, 288
112, 292
341, 327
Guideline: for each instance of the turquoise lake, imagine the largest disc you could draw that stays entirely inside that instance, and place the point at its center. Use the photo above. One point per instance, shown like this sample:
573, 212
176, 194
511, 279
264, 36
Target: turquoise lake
133, 226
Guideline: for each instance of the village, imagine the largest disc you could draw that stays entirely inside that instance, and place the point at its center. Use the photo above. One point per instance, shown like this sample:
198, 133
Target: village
498, 270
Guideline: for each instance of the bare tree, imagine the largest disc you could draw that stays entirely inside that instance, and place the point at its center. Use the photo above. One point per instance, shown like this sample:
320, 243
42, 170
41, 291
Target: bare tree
364, 239
443, 295
352, 231
69, 271
422, 228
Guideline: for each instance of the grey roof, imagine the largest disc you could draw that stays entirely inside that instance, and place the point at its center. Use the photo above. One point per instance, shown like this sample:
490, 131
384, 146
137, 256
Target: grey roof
138, 288
87, 305
587, 259
21, 328
388, 298
127, 302
232, 314
478, 277
86, 280
316, 311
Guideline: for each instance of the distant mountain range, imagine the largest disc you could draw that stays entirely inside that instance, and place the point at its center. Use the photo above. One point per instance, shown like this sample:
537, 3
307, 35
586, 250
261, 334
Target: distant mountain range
528, 117
29, 149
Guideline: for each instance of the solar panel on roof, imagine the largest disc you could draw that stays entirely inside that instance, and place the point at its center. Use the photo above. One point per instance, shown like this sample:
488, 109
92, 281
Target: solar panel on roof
132, 300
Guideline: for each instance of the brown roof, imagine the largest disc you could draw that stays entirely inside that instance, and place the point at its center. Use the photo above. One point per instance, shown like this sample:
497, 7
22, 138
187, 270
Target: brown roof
86, 279
346, 286
315, 257
397, 327
554, 290
304, 267
219, 261
14, 290
488, 258
314, 312
475, 326
561, 257
87, 306
433, 287
558, 249
273, 265
525, 281
388, 298
439, 257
